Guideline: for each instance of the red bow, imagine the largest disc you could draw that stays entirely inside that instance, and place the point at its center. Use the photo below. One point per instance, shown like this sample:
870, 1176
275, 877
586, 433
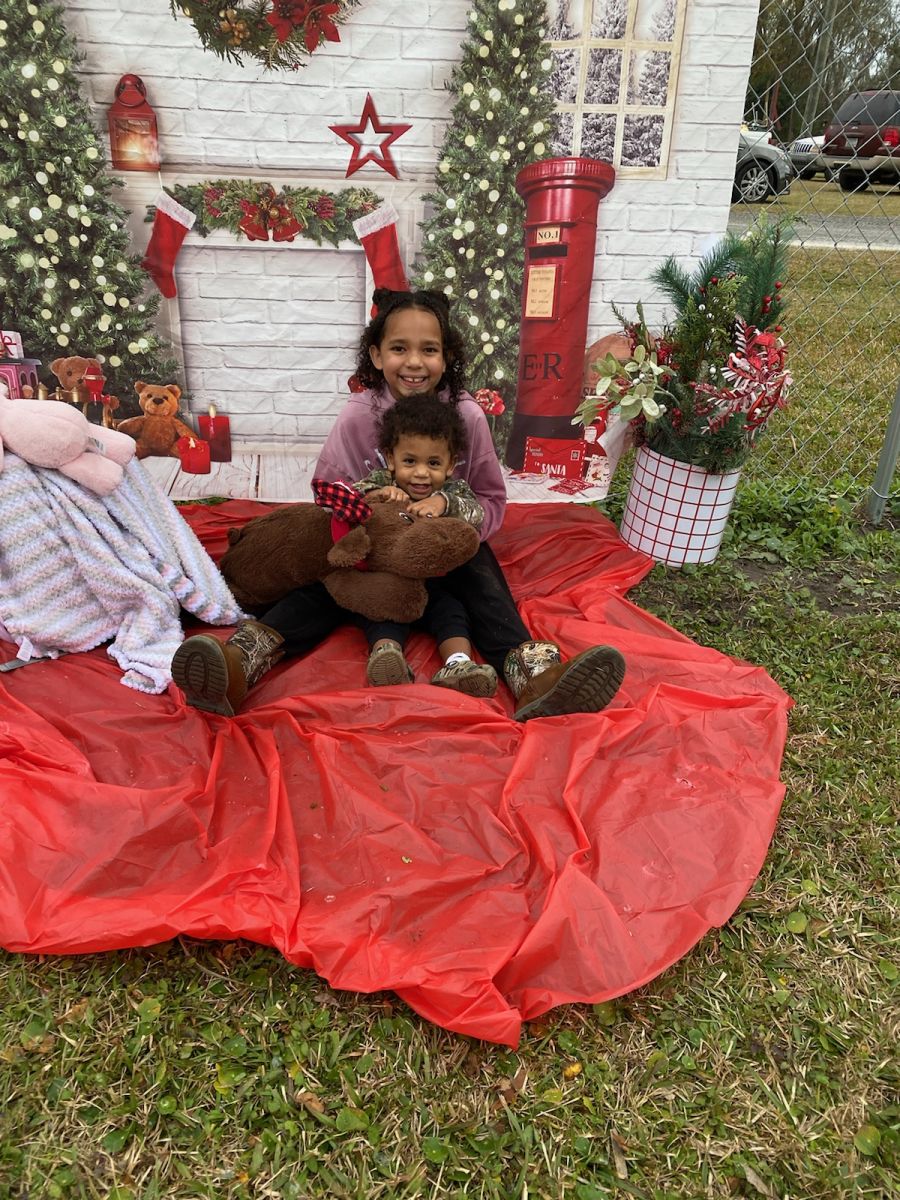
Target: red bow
344, 501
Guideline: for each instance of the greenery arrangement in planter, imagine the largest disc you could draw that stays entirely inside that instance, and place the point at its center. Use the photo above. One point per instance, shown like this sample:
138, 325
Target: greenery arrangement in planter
703, 389
699, 394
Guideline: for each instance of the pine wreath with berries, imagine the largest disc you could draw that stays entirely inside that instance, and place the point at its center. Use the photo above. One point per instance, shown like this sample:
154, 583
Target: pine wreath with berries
278, 33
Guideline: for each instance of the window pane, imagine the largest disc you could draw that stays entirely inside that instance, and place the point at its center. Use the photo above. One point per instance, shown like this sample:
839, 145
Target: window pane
561, 28
655, 21
564, 81
648, 79
642, 141
598, 136
563, 139
608, 18
604, 70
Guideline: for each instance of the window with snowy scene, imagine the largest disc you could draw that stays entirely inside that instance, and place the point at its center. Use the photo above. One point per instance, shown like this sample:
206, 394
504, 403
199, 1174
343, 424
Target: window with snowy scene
614, 76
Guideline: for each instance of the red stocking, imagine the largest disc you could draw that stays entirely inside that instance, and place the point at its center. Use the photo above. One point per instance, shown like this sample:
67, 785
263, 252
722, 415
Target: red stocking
170, 226
377, 231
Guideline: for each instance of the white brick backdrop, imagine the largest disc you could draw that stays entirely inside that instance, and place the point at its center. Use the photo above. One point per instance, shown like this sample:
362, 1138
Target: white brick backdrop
269, 332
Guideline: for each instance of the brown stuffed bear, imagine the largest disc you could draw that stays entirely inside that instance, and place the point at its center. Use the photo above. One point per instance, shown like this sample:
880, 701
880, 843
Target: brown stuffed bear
159, 429
70, 372
293, 546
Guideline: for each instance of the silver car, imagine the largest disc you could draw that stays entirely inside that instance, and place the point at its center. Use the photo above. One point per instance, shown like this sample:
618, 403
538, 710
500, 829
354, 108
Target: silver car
760, 172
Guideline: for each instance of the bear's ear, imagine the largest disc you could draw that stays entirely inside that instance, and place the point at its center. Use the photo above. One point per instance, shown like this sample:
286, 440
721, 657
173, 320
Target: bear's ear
351, 549
174, 389
56, 364
138, 387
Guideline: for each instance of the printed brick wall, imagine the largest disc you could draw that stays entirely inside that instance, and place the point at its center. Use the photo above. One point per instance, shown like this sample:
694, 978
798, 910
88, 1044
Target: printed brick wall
270, 332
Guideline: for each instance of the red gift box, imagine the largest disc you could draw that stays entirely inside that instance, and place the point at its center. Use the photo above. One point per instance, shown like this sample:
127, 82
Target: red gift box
554, 456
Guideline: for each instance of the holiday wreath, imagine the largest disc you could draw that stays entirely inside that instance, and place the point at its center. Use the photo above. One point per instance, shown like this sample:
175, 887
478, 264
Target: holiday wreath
279, 33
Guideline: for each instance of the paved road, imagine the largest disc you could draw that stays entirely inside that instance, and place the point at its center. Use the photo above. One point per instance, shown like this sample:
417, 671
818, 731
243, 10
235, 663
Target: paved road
813, 229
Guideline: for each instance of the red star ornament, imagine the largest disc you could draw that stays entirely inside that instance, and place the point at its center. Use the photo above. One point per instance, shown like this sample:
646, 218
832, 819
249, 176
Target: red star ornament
364, 142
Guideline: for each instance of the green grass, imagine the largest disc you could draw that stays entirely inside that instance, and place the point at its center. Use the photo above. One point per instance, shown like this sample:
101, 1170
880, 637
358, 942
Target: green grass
843, 341
762, 1065
826, 199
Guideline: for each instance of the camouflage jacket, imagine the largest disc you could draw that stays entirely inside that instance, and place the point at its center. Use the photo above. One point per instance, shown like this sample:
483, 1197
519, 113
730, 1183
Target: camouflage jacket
461, 501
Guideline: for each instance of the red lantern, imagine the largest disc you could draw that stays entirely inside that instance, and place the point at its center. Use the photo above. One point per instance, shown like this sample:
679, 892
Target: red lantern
94, 379
133, 140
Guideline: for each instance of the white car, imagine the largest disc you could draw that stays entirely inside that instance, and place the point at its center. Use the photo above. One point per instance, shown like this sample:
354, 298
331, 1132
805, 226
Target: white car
806, 156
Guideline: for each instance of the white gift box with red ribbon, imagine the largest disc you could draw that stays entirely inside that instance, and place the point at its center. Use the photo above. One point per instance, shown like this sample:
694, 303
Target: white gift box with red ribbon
11, 344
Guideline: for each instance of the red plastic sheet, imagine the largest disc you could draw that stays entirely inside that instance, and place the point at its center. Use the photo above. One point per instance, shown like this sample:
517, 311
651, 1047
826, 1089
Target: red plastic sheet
406, 838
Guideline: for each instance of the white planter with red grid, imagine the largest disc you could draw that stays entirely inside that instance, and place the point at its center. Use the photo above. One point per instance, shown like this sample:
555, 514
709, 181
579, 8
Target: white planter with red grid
676, 512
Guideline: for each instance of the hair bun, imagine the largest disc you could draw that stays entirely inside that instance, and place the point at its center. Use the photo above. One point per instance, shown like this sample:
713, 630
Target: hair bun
384, 297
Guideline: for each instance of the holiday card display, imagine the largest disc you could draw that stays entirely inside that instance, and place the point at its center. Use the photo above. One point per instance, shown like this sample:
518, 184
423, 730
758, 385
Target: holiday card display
553, 456
277, 33
366, 130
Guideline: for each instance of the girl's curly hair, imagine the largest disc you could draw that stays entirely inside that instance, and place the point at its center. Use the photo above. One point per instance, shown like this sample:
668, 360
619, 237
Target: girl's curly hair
387, 303
423, 416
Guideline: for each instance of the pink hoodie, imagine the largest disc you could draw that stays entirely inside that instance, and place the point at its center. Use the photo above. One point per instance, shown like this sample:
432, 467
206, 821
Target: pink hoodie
351, 451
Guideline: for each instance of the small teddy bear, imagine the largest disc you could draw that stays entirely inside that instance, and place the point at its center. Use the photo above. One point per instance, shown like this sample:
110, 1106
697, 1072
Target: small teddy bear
158, 430
71, 372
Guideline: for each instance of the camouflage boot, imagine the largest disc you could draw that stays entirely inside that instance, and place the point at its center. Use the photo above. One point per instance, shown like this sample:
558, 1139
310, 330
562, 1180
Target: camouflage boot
545, 686
215, 675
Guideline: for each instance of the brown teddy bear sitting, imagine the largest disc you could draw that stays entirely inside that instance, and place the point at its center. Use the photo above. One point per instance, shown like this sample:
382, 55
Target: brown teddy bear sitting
70, 372
294, 546
158, 430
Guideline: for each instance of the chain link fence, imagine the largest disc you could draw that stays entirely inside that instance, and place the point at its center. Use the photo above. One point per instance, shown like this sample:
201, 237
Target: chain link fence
825, 88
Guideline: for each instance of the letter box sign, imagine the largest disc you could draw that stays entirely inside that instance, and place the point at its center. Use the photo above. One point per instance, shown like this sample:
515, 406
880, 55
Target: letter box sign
562, 196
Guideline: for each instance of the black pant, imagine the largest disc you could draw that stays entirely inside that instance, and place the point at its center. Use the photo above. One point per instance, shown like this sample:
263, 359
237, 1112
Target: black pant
444, 617
307, 615
481, 587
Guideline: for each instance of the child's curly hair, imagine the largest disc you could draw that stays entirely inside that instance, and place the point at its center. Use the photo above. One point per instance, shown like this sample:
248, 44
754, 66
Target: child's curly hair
423, 416
387, 303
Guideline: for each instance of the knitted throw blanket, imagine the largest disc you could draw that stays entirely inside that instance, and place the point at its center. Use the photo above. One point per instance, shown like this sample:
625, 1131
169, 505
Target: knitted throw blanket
78, 569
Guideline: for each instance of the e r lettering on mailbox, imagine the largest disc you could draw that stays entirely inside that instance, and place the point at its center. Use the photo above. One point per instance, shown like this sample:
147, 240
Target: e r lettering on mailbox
531, 366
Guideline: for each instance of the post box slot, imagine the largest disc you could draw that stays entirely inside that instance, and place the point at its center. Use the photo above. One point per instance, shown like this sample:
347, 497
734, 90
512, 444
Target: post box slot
547, 252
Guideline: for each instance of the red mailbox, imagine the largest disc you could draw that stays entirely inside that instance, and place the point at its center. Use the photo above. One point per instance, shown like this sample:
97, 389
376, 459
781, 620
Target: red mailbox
562, 196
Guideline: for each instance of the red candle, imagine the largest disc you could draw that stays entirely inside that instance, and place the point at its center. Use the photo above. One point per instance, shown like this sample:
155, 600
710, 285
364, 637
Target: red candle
194, 455
217, 431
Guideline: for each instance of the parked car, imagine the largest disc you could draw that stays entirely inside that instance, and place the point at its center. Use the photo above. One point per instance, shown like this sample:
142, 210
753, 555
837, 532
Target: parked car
862, 142
807, 158
760, 172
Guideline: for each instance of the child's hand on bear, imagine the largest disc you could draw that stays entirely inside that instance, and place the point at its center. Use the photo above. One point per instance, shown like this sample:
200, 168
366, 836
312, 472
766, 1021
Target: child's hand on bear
434, 506
391, 492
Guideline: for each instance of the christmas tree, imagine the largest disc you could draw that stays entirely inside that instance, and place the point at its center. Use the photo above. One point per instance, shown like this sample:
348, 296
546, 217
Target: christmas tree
68, 281
473, 248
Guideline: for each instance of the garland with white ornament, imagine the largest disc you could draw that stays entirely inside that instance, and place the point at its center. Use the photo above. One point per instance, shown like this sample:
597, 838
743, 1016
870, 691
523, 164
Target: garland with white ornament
68, 279
473, 248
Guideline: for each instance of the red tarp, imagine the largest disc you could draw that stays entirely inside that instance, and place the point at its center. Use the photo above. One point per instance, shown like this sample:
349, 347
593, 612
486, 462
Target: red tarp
407, 838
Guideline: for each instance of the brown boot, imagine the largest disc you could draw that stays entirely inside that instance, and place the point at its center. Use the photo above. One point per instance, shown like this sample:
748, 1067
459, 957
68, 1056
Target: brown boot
545, 686
216, 675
